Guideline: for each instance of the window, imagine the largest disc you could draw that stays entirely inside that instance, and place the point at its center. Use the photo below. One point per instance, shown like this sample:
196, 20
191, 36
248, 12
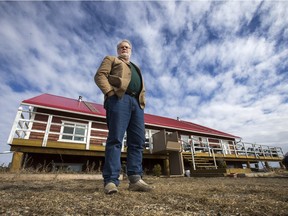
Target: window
73, 132
185, 142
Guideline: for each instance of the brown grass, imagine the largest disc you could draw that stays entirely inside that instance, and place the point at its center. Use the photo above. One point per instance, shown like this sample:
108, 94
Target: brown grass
172, 196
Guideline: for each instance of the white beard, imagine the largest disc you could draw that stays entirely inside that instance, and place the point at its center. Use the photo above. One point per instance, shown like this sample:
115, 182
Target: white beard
125, 55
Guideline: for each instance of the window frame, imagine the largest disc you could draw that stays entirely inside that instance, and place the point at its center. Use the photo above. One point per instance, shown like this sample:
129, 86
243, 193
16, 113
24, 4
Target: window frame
74, 125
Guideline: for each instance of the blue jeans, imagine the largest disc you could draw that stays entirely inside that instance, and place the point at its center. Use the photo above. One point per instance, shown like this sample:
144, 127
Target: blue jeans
123, 114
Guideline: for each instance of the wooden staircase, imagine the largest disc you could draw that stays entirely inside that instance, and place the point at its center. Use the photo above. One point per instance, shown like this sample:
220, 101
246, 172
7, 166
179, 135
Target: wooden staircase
204, 167
204, 164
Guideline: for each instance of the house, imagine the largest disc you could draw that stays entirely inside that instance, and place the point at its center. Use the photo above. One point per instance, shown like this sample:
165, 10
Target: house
52, 132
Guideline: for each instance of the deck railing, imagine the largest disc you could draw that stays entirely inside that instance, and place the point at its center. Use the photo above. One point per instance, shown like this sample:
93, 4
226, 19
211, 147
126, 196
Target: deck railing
226, 148
25, 118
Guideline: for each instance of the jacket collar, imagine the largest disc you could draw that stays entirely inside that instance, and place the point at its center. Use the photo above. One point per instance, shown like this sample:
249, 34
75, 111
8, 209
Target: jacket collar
128, 63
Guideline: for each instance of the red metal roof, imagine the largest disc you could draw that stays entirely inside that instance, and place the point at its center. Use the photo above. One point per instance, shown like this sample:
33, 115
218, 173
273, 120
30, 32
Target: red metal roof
65, 104
183, 125
74, 105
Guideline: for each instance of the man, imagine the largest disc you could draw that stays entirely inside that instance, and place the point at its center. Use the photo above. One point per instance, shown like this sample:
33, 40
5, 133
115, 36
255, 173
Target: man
122, 84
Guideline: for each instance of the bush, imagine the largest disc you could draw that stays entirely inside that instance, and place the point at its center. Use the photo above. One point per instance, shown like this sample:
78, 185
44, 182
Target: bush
221, 164
157, 170
4, 168
285, 161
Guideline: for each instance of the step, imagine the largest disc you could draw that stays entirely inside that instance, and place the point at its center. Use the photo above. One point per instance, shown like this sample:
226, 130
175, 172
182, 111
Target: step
207, 175
203, 164
206, 166
197, 159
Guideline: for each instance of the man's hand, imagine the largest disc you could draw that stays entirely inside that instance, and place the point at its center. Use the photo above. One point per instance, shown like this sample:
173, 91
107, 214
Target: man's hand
110, 93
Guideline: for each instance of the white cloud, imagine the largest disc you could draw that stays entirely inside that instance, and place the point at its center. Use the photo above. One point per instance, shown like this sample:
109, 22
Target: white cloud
219, 64
273, 18
228, 17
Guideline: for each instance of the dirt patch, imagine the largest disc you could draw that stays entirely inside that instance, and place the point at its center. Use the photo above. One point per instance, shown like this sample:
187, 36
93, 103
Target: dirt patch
172, 196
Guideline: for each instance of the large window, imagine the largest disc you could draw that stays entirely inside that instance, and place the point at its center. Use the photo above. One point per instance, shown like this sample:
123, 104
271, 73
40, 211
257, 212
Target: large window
71, 131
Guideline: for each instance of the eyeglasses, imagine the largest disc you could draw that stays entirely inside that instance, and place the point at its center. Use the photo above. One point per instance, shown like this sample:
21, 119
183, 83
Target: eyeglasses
124, 47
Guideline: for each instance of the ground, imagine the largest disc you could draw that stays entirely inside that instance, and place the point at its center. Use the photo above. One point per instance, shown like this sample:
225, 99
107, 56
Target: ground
171, 196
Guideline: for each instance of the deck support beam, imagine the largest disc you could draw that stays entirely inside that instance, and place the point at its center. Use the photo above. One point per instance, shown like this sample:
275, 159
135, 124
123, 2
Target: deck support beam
281, 165
16, 161
167, 166
248, 164
267, 165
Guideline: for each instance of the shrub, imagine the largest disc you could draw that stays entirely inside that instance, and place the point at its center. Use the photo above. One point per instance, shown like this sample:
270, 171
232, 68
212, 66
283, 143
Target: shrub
285, 161
157, 170
221, 164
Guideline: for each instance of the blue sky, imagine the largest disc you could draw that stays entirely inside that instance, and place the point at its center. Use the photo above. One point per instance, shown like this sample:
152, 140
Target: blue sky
219, 64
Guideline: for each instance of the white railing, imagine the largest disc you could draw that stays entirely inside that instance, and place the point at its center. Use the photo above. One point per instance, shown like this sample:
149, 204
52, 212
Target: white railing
226, 147
257, 150
21, 127
25, 118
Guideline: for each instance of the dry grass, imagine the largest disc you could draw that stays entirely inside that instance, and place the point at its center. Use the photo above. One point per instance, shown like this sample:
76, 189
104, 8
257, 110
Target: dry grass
172, 196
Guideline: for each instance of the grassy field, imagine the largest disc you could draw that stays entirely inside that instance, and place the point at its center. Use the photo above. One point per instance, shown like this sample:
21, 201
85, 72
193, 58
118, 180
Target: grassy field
64, 194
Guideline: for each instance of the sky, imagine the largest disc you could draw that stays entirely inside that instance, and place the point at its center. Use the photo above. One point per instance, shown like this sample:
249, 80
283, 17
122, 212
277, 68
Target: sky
220, 64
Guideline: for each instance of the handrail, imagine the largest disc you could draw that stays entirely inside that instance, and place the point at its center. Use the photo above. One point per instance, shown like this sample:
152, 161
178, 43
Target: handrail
193, 159
237, 149
214, 159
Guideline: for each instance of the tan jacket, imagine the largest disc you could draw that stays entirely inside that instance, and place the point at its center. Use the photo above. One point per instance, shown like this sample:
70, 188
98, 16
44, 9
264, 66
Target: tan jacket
115, 75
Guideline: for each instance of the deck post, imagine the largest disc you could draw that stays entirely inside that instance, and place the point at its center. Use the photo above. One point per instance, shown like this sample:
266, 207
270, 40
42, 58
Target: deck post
16, 161
281, 165
267, 165
88, 137
166, 165
47, 131
248, 164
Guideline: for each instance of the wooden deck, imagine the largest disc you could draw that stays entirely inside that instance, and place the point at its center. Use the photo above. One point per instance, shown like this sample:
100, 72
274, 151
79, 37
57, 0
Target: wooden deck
234, 157
66, 148
35, 146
